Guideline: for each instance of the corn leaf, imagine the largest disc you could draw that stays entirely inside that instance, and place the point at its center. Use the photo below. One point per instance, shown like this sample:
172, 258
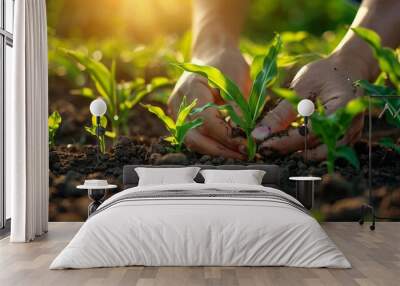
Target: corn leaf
251, 147
349, 155
375, 89
169, 123
113, 87
264, 78
98, 72
184, 111
356, 106
156, 83
103, 121
256, 66
171, 139
387, 58
184, 128
228, 108
389, 143
54, 120
288, 94
85, 91
91, 130
110, 134
228, 89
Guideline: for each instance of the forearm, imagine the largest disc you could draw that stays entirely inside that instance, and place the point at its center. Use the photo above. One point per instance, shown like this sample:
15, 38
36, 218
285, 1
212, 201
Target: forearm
217, 24
382, 16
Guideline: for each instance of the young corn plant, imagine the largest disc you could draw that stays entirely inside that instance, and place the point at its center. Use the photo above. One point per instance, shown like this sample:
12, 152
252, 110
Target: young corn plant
389, 64
330, 128
53, 122
264, 72
178, 129
102, 138
119, 97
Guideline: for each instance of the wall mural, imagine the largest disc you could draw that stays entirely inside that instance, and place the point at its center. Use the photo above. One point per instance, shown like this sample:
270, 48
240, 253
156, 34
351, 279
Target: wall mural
112, 102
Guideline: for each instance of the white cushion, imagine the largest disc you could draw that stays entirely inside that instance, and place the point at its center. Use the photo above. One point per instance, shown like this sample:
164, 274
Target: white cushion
165, 176
247, 177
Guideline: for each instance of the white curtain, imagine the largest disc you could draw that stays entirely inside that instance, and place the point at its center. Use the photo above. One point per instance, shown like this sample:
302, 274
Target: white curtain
26, 124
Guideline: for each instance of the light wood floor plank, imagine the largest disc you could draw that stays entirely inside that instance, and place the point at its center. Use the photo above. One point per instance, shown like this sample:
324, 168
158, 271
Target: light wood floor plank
375, 257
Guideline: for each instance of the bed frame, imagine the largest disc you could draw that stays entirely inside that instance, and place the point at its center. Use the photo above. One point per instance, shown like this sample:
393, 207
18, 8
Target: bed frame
272, 177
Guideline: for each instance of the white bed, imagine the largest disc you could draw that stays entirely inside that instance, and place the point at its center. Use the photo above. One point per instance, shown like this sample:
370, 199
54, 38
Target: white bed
203, 231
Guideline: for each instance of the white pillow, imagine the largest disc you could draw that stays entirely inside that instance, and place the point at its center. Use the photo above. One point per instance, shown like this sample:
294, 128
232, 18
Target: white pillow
166, 176
247, 177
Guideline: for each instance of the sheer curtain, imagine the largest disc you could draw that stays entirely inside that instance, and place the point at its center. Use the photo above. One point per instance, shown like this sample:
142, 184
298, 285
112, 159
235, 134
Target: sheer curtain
26, 124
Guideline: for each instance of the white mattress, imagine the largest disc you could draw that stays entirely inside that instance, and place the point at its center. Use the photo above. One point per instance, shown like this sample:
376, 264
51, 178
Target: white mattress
200, 231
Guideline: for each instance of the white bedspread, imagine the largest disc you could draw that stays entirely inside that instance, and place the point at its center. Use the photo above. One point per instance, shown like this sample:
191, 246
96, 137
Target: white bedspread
200, 231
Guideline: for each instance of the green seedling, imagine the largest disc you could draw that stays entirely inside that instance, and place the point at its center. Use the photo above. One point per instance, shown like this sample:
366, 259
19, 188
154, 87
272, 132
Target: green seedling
119, 97
264, 72
178, 129
389, 65
53, 122
92, 130
331, 128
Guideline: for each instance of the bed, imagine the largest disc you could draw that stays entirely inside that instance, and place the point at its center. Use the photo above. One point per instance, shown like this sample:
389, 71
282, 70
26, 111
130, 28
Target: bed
198, 224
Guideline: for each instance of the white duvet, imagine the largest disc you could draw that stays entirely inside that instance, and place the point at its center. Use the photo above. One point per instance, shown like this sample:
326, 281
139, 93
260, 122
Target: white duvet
200, 231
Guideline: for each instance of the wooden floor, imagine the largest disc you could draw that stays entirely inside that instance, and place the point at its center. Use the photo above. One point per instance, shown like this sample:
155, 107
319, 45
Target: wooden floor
375, 257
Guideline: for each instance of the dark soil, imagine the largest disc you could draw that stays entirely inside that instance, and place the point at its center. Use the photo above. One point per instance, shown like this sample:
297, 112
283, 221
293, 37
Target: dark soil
339, 199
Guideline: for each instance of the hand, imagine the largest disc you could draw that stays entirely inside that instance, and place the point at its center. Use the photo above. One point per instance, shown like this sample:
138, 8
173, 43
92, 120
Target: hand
331, 81
214, 137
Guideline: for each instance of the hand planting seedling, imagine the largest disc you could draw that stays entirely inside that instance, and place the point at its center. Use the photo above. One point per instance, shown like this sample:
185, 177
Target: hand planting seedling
92, 130
179, 128
264, 69
119, 97
53, 122
390, 69
331, 128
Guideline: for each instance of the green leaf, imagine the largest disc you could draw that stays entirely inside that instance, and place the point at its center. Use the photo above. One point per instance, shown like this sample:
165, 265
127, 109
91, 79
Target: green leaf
348, 154
169, 123
103, 121
387, 58
156, 83
251, 147
256, 66
369, 36
98, 72
91, 130
113, 85
356, 106
381, 79
54, 120
110, 134
264, 78
289, 95
389, 143
185, 128
85, 91
375, 89
171, 139
160, 82
228, 89
184, 111
228, 108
